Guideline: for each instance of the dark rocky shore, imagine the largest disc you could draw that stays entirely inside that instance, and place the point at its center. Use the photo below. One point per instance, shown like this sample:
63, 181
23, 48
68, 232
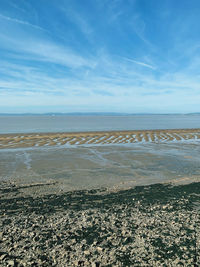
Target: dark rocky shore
157, 225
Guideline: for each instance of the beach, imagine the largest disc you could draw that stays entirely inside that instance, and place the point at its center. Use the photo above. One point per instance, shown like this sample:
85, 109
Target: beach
93, 201
99, 133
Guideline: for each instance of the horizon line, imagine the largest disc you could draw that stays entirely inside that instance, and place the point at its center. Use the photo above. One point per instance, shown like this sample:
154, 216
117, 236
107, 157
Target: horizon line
96, 113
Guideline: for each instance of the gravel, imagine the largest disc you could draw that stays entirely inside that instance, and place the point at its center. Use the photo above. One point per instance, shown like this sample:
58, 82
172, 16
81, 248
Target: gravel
157, 225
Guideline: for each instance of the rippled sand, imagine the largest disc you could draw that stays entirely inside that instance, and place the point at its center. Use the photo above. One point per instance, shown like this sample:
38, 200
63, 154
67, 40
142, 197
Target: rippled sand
94, 138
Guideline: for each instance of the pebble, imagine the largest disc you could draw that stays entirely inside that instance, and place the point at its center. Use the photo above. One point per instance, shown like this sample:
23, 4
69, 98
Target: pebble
99, 249
2, 257
119, 234
11, 263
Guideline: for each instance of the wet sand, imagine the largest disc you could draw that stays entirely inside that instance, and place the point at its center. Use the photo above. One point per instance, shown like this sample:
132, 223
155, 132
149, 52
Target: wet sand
87, 138
116, 167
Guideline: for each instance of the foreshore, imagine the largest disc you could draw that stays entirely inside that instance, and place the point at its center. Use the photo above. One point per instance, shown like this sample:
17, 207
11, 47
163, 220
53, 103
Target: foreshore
157, 225
91, 205
95, 138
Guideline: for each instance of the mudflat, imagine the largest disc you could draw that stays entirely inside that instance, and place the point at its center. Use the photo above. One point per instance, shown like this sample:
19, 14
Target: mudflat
116, 166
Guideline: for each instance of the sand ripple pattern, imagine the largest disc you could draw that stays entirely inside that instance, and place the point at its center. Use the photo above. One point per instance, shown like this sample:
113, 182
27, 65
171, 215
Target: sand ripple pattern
95, 138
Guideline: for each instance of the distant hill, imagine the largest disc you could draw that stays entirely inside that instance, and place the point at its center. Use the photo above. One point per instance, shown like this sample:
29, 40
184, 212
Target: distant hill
195, 113
92, 114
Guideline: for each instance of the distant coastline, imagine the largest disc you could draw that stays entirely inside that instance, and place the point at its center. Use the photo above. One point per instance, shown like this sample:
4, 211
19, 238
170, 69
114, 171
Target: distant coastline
94, 114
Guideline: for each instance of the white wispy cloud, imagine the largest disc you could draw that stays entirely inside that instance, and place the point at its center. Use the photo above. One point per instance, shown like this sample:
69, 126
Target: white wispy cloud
43, 70
31, 87
79, 20
43, 50
16, 6
140, 63
14, 20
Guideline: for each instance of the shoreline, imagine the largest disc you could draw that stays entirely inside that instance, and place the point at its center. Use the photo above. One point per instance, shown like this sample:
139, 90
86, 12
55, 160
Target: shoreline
97, 137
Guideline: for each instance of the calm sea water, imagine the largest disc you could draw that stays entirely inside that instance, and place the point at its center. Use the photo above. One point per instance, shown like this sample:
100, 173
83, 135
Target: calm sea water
32, 124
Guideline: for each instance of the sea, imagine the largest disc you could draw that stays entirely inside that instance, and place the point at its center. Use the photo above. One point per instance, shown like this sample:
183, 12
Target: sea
85, 123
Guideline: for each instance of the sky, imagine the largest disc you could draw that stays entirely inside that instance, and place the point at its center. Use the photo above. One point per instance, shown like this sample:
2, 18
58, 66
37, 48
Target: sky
132, 56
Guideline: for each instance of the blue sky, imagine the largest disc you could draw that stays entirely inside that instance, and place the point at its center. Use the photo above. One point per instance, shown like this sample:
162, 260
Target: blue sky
100, 55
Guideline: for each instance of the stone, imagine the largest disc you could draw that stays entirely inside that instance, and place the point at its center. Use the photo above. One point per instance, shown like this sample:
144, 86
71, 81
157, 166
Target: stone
2, 257
86, 252
99, 249
11, 263
1, 235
